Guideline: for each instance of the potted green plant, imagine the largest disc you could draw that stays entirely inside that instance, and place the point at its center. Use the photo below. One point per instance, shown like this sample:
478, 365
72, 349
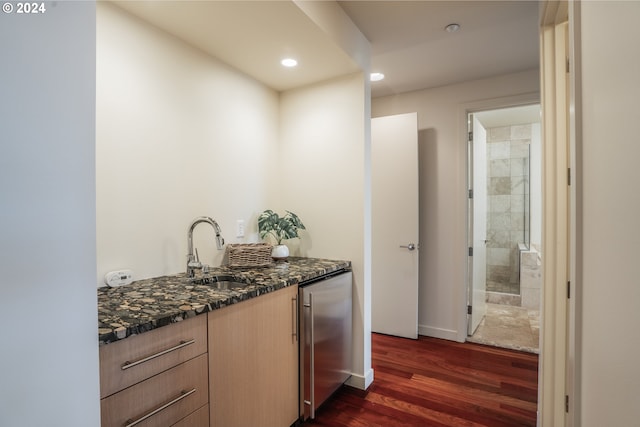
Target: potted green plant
279, 228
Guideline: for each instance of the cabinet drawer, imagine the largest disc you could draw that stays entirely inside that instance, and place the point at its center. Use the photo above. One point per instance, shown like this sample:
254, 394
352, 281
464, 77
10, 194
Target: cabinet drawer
161, 400
200, 418
127, 362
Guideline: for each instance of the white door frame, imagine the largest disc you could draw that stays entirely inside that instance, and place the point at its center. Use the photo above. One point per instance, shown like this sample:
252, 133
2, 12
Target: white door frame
557, 332
463, 112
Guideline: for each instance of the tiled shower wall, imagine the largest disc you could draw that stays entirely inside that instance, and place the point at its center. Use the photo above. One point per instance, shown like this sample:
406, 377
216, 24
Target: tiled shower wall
508, 207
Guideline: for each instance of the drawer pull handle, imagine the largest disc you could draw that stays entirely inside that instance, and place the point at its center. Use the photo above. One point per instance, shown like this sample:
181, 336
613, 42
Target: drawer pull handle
183, 394
127, 365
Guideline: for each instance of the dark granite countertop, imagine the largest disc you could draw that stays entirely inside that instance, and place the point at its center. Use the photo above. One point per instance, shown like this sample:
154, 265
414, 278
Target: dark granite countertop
151, 303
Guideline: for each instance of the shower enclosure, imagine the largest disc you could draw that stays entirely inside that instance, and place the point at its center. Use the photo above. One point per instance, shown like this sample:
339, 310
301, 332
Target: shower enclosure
508, 215
509, 266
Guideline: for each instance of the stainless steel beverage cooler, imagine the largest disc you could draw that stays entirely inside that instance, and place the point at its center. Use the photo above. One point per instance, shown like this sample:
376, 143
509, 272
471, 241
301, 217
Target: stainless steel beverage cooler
326, 338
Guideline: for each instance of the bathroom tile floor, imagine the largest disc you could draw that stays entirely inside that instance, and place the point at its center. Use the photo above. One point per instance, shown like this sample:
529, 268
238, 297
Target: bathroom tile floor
507, 326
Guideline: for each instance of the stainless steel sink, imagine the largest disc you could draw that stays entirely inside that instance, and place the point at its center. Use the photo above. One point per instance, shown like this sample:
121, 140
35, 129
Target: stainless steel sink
222, 282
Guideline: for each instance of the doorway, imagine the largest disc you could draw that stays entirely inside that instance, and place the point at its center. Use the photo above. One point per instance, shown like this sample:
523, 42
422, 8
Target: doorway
505, 227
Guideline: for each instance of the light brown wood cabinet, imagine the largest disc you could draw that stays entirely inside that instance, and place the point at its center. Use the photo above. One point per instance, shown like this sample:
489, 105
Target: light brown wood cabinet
234, 367
253, 362
159, 378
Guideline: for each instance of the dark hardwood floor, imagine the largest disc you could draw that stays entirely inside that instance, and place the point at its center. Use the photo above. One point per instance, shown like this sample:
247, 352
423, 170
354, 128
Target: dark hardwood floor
432, 382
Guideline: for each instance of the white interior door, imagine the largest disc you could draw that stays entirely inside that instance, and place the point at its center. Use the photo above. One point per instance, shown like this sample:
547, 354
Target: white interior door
394, 194
478, 225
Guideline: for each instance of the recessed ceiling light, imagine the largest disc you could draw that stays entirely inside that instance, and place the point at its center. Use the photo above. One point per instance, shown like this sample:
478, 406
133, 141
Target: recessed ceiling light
376, 77
452, 28
289, 62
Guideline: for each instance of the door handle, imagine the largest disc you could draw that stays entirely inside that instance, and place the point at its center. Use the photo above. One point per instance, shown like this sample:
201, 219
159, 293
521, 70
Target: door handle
295, 317
410, 246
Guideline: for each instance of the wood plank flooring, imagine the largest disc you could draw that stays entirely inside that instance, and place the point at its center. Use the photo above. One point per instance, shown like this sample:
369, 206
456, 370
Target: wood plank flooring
431, 382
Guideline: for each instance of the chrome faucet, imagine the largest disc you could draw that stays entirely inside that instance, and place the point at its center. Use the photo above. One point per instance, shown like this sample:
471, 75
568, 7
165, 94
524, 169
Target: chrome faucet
193, 261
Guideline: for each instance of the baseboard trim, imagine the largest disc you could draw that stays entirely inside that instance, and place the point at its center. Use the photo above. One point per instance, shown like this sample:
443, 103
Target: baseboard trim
445, 334
361, 382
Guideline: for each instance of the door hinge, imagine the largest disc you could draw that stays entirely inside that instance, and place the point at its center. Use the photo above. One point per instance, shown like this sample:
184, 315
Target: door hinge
469, 309
470, 136
568, 290
471, 193
568, 176
470, 251
566, 403
568, 64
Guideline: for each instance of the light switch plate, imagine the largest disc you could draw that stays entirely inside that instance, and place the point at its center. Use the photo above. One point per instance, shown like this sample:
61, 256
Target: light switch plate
240, 228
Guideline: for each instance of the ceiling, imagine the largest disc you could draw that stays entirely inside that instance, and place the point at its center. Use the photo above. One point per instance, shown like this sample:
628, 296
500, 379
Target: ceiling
411, 47
509, 116
251, 36
408, 40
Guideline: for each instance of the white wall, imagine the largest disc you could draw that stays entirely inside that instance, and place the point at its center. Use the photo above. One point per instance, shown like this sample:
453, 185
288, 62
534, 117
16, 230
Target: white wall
49, 356
323, 153
443, 202
179, 135
609, 288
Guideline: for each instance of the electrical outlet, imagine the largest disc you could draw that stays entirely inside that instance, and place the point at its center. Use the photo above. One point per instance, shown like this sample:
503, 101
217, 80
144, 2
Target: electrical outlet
240, 228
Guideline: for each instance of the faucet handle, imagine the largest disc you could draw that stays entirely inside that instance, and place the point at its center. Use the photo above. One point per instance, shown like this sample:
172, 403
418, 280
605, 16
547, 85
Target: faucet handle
194, 262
